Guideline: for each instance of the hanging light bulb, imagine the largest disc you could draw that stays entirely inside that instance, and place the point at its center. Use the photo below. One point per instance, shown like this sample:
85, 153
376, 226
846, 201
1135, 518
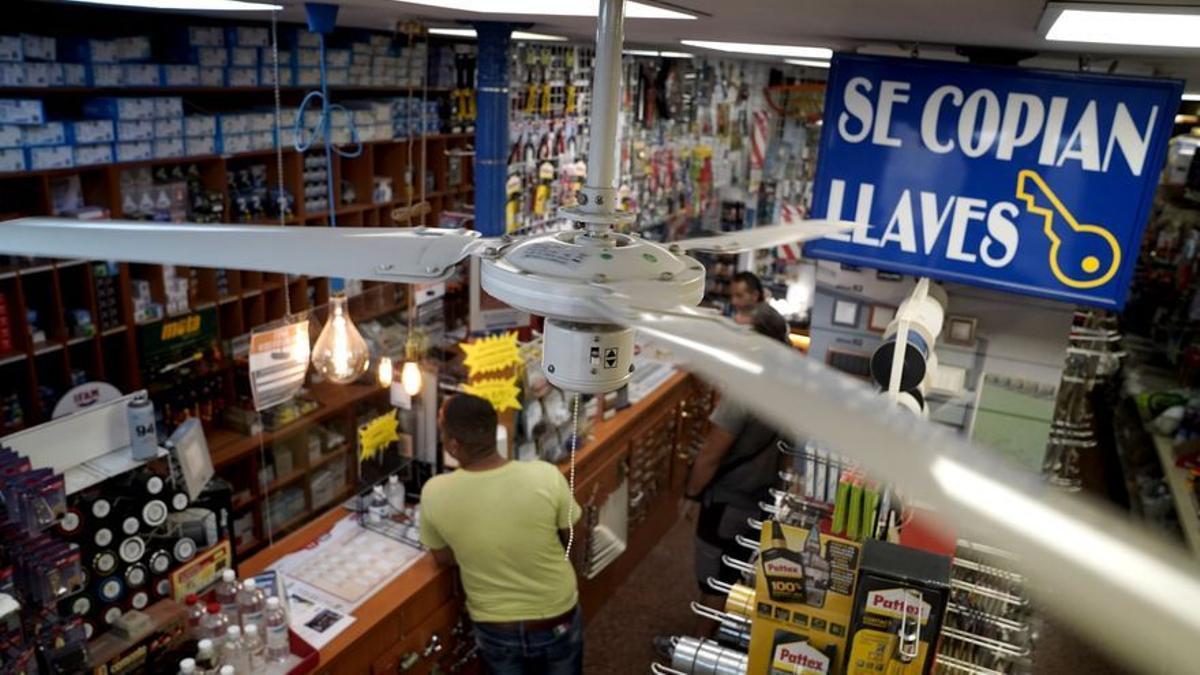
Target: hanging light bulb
410, 378
385, 371
340, 353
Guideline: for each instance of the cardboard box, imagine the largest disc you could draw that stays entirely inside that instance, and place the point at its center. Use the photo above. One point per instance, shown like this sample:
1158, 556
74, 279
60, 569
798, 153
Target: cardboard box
243, 57
11, 49
181, 76
212, 57
229, 124
307, 77
135, 130
205, 36
43, 75
168, 106
303, 38
212, 77
91, 155
248, 36
806, 622
50, 157
266, 57
232, 144
120, 108
75, 50
39, 47
241, 77
138, 151
194, 146
12, 159
141, 75
200, 125
266, 76
168, 148
308, 58
133, 48
168, 127
86, 132
74, 74
10, 136
12, 74
106, 75
337, 58
50, 133
260, 121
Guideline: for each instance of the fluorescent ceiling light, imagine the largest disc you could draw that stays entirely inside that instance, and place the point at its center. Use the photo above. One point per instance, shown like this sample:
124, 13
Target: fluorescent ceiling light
762, 49
656, 53
516, 34
807, 62
1144, 25
633, 10
223, 5
1192, 97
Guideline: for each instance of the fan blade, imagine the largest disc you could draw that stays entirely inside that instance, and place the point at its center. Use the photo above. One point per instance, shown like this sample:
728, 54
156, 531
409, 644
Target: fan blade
1127, 590
409, 255
766, 236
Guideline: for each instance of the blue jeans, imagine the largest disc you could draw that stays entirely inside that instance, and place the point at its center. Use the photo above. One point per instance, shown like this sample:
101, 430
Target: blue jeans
557, 651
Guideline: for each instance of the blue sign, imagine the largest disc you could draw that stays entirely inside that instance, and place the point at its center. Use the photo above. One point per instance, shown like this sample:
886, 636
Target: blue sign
1026, 181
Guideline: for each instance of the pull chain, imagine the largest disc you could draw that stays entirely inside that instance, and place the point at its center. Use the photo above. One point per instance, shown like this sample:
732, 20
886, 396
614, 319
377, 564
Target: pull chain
571, 504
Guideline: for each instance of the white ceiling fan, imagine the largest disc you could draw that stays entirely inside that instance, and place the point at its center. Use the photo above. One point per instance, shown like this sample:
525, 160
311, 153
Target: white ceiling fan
1130, 592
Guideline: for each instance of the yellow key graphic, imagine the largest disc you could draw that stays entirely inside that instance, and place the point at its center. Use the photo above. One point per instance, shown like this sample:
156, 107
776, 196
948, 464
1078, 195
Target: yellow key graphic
1088, 271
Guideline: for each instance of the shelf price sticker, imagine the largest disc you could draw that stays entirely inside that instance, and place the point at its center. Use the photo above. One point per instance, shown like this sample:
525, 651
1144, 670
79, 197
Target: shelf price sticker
278, 363
501, 392
376, 435
491, 354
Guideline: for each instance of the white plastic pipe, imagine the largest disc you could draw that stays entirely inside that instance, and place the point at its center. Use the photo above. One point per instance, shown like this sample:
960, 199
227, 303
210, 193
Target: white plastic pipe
606, 94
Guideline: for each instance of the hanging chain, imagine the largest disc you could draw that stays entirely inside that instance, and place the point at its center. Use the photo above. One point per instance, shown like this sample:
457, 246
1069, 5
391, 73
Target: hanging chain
571, 503
280, 198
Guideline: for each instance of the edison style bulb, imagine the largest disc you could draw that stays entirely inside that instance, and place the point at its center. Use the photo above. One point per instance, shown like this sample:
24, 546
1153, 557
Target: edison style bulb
385, 371
410, 378
340, 353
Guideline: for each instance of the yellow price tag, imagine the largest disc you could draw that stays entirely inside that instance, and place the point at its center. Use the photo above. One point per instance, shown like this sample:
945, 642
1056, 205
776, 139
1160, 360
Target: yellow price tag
375, 435
490, 354
501, 392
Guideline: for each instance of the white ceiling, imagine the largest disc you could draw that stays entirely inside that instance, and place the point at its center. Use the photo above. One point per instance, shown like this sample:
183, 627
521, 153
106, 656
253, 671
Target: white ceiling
840, 24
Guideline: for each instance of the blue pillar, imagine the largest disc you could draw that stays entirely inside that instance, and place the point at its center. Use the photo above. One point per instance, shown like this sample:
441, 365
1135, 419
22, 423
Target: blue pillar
491, 126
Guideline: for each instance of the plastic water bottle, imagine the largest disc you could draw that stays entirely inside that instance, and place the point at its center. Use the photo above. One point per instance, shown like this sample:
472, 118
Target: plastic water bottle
187, 667
233, 651
206, 656
395, 495
227, 595
251, 602
196, 612
213, 625
252, 645
377, 508
278, 647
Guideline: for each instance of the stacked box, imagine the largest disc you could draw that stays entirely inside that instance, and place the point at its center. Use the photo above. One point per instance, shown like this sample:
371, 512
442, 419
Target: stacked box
43, 74
119, 108
49, 157
74, 75
106, 75
12, 74
241, 77
50, 133
129, 131
104, 276
94, 154
38, 47
205, 36
12, 159
133, 48
10, 136
11, 49
88, 50
243, 57
248, 36
181, 75
85, 132
141, 75
176, 288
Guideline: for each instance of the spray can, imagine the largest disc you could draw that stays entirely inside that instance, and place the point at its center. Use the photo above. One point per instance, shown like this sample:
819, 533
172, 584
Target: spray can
143, 437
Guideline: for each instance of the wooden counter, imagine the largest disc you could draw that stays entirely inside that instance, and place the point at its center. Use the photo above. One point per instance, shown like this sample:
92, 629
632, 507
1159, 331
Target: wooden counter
398, 620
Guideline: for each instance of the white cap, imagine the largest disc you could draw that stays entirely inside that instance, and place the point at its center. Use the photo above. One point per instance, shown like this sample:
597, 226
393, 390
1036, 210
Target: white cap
393, 479
249, 584
229, 575
226, 670
272, 603
187, 666
250, 630
204, 645
234, 631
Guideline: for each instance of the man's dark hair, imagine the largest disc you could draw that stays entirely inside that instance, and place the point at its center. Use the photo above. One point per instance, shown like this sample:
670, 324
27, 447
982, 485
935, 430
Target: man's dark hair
471, 421
753, 282
770, 323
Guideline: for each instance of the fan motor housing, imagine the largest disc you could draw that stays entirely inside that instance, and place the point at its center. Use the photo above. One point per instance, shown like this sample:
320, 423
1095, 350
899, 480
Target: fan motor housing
588, 358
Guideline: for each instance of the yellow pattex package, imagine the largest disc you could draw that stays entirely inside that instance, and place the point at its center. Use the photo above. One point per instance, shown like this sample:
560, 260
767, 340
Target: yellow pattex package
804, 593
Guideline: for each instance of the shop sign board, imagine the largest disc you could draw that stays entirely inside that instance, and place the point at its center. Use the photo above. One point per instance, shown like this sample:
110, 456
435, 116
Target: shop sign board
1027, 181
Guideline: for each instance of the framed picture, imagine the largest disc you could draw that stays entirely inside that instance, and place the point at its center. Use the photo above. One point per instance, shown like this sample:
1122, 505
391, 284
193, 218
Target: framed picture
888, 276
879, 318
845, 313
960, 330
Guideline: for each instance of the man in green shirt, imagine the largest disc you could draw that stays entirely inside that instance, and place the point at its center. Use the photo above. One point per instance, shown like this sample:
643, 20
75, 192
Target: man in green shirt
504, 523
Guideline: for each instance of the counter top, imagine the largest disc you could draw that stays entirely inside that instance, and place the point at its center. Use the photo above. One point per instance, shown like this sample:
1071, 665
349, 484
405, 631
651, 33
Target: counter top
425, 570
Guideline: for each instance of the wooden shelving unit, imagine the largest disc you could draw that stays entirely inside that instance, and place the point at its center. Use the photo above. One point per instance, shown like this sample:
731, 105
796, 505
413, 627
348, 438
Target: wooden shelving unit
250, 299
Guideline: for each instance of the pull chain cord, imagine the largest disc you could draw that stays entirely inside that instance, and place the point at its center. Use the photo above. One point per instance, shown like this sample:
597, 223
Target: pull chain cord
571, 504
